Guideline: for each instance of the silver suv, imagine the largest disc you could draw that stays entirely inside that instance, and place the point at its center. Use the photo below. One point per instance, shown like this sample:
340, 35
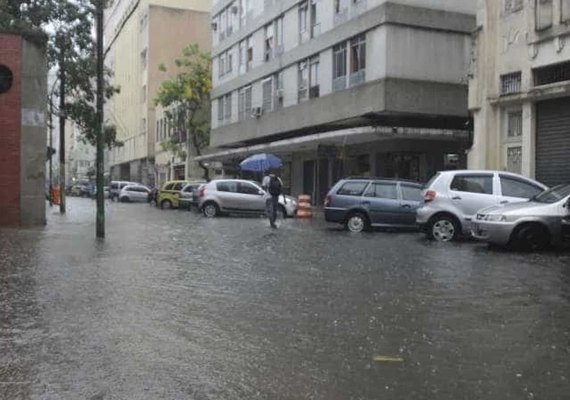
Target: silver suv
239, 196
452, 199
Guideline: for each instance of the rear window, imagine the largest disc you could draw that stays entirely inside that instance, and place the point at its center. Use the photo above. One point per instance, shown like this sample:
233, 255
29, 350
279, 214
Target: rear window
411, 193
482, 184
352, 189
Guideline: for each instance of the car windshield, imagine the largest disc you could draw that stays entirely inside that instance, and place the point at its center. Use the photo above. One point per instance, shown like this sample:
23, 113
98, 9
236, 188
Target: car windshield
553, 195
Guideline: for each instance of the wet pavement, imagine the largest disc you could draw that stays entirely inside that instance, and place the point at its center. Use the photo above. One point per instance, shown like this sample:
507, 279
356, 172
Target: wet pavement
176, 306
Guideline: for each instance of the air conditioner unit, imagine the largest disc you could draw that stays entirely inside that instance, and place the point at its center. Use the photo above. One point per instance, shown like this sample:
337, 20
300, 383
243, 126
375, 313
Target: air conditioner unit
235, 9
279, 93
214, 26
256, 112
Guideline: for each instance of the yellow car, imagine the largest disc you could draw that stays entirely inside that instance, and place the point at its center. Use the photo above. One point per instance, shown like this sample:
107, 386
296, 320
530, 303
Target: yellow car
169, 194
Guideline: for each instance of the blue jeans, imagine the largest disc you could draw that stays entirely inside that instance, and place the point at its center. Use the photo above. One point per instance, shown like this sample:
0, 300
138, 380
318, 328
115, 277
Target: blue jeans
271, 207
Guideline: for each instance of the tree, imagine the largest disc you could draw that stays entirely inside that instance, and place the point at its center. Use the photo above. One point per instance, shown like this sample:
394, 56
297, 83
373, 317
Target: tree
186, 99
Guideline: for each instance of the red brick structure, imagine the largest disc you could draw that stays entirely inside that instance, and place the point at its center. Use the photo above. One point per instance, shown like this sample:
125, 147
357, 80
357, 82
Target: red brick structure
23, 77
10, 129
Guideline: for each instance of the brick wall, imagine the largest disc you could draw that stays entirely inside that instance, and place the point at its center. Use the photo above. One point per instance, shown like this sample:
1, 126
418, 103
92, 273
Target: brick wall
10, 129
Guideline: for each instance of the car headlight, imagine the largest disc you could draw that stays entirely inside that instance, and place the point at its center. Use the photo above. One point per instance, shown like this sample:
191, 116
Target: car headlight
495, 218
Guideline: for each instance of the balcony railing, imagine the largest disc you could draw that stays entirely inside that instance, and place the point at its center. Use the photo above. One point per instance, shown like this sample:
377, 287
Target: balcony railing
357, 78
339, 83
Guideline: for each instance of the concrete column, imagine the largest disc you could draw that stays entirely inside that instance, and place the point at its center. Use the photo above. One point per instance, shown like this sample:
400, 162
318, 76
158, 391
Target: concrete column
528, 139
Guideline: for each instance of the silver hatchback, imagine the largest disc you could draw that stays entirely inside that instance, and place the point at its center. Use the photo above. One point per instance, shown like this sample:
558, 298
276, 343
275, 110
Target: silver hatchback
452, 199
240, 197
532, 225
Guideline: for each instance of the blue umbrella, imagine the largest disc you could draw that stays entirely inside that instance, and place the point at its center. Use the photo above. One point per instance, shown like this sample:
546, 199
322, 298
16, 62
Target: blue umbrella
261, 163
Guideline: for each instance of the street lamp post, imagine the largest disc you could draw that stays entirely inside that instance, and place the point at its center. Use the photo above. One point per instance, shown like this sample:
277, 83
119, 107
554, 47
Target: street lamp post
100, 223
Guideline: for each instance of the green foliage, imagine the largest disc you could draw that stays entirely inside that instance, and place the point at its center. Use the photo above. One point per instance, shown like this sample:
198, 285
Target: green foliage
186, 97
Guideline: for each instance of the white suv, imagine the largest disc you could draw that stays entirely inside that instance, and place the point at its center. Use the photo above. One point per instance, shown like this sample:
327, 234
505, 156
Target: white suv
452, 199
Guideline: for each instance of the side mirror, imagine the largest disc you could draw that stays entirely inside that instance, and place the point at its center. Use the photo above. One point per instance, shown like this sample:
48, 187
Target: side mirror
261, 193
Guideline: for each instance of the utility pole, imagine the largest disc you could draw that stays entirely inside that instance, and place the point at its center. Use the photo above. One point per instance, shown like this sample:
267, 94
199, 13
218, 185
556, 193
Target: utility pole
62, 133
50, 150
100, 224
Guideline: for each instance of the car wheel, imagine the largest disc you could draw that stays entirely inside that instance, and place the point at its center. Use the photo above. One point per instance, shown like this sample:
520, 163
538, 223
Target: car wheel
357, 222
443, 229
125, 199
531, 237
210, 210
166, 204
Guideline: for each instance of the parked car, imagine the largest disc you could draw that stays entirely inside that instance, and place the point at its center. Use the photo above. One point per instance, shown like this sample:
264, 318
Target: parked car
239, 196
187, 200
134, 194
169, 193
116, 186
452, 199
362, 203
532, 225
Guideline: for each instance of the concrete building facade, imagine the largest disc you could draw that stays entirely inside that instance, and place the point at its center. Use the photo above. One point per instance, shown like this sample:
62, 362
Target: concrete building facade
140, 36
337, 88
519, 91
23, 94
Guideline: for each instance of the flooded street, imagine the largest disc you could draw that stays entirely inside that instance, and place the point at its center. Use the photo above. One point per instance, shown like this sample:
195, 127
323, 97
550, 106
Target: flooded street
176, 306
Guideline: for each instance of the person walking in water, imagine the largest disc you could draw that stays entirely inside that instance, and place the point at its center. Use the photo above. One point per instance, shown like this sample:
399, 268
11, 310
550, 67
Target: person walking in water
273, 185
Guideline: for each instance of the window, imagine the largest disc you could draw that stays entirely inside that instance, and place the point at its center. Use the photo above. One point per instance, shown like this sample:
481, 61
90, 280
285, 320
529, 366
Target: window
514, 124
551, 74
303, 90
144, 22
411, 193
241, 56
314, 83
223, 24
512, 6
269, 42
352, 189
339, 66
222, 64
169, 186
511, 83
247, 188
543, 14
564, 10
230, 187
267, 89
249, 54
358, 54
143, 94
357, 60
228, 106
279, 35
473, 184
244, 101
178, 186
383, 191
278, 90
513, 187
303, 11
315, 24
221, 108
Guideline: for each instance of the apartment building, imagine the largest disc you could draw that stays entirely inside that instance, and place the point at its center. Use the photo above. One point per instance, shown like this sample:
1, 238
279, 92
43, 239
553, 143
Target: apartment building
343, 87
140, 36
520, 88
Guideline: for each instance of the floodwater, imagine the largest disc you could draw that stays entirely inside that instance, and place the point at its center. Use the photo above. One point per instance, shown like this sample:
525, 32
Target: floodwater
176, 306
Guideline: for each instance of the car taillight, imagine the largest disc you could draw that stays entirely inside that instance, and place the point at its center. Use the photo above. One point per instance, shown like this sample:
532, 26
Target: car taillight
430, 196
202, 191
328, 200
